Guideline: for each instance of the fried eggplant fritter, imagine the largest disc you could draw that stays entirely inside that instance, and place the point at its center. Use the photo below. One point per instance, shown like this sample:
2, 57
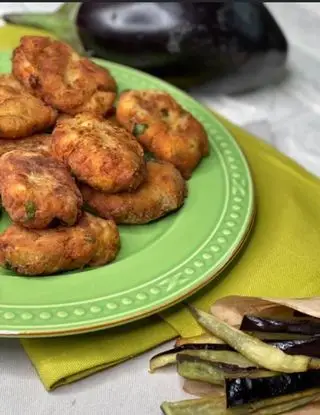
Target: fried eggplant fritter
38, 191
21, 114
164, 128
41, 143
107, 240
53, 71
99, 153
92, 241
163, 191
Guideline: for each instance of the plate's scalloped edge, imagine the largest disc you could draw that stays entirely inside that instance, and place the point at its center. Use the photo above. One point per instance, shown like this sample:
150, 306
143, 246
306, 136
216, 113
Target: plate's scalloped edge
185, 279
97, 327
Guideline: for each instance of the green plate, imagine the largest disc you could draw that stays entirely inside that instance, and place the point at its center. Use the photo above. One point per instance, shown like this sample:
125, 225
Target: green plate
160, 263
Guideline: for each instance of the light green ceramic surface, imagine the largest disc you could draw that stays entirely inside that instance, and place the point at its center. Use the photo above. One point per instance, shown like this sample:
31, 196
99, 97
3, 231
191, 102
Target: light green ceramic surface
159, 263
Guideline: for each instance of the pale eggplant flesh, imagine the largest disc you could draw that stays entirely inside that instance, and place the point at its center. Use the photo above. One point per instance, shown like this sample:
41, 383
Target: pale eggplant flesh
262, 354
307, 347
213, 405
216, 373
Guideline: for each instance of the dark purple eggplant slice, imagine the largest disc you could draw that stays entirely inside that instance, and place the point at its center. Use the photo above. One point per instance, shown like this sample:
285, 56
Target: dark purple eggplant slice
243, 390
270, 325
168, 357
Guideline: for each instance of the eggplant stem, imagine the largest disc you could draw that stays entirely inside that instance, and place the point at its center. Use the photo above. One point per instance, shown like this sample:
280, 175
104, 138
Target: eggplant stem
60, 23
68, 9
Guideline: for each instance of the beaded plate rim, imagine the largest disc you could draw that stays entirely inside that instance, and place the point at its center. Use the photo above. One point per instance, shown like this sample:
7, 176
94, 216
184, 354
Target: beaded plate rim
176, 284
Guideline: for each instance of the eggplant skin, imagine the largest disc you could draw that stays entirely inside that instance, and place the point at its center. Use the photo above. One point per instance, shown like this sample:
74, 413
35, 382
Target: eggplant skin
240, 391
308, 347
269, 325
196, 346
170, 39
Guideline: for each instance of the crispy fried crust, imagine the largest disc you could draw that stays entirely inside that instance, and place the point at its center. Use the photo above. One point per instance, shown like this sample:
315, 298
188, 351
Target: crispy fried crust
41, 143
164, 128
62, 117
21, 114
93, 241
107, 240
163, 191
99, 153
37, 190
111, 116
64, 80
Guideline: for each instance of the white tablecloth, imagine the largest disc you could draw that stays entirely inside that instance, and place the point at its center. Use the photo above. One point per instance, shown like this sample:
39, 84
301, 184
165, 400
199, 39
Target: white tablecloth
288, 117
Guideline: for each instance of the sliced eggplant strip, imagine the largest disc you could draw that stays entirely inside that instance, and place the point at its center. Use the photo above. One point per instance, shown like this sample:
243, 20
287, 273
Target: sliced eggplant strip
233, 357
200, 389
307, 347
211, 352
195, 368
227, 357
260, 353
202, 339
169, 356
277, 336
245, 390
314, 364
203, 406
216, 405
313, 394
162, 360
253, 323
302, 345
285, 407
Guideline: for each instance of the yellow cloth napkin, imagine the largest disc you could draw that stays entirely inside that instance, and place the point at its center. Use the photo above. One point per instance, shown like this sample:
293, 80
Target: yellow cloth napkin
281, 258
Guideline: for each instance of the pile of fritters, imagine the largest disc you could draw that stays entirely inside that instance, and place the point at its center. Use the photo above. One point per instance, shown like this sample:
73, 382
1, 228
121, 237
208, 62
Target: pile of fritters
66, 151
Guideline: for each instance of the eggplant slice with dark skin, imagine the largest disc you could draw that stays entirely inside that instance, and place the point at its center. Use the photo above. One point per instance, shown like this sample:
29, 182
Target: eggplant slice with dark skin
212, 405
236, 46
262, 354
307, 347
270, 325
259, 375
240, 391
216, 373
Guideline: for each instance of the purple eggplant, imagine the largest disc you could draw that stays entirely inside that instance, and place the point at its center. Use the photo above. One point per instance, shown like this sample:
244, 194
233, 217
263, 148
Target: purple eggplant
243, 390
308, 327
236, 45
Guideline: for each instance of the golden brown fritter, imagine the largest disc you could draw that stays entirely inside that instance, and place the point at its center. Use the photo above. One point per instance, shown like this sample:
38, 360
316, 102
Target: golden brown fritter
92, 241
107, 240
164, 128
37, 190
41, 143
62, 117
7, 79
112, 117
99, 153
21, 114
163, 191
53, 71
